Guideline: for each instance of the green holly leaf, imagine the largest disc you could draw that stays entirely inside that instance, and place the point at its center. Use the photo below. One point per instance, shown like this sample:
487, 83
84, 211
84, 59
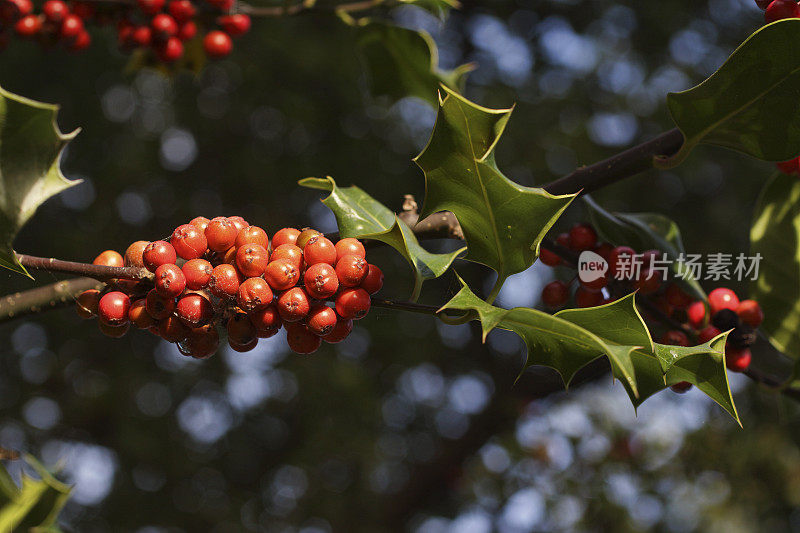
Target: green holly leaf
644, 231
30, 153
503, 222
750, 104
775, 234
36, 504
401, 62
361, 216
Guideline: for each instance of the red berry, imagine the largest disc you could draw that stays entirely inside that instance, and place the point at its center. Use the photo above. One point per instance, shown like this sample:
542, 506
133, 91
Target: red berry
563, 240
158, 253
138, 315
722, 298
217, 44
235, 25
55, 10
181, 10
340, 331
281, 274
582, 237
649, 257
194, 310
197, 273
71, 27
221, 234
676, 296
781, 9
697, 314
28, 26
321, 320
239, 222
301, 340
617, 264
150, 7
200, 222
252, 235
109, 258
319, 249
115, 332
252, 260
142, 36
675, 338
707, 333
266, 319
549, 258
81, 42
201, 343
353, 303
189, 242
113, 308
293, 305
349, 246
321, 281
681, 387
588, 298
649, 281
737, 359
243, 347
159, 306
14, 9
285, 236
351, 270
791, 166
172, 329
604, 250
164, 26
170, 281
240, 330
87, 302
254, 294
374, 280
225, 281
555, 294
133, 255
187, 31
170, 50
288, 251
750, 313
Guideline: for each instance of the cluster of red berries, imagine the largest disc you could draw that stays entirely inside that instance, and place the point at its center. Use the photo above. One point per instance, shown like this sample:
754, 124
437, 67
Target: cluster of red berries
224, 272
155, 24
779, 9
57, 23
723, 312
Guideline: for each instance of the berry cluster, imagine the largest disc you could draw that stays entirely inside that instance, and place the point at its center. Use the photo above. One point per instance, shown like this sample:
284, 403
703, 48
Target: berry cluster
703, 321
779, 9
224, 272
151, 24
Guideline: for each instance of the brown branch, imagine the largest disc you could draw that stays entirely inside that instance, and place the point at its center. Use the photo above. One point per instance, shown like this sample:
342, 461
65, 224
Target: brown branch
98, 272
52, 296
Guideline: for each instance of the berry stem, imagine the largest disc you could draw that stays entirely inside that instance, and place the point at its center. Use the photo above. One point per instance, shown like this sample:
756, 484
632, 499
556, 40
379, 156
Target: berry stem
52, 296
98, 272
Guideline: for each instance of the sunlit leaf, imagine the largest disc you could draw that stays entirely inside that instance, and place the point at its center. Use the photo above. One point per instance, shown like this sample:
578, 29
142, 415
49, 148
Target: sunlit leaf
36, 504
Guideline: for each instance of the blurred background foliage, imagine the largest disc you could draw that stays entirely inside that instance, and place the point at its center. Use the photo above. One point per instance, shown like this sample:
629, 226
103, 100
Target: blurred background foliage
409, 424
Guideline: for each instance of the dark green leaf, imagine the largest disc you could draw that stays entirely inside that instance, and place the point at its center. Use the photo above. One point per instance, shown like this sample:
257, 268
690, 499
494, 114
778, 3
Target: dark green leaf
361, 216
750, 104
37, 503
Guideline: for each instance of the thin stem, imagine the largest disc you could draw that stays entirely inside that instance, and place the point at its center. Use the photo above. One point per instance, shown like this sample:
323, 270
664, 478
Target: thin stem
98, 272
52, 296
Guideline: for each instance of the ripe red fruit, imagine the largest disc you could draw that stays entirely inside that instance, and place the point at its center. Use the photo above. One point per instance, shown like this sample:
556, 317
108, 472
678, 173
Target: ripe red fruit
604, 250
239, 222
675, 338
170, 281
649, 257
781, 9
374, 280
109, 258
353, 303
28, 26
293, 305
150, 7
649, 281
252, 235
189, 242
321, 281
225, 281
221, 234
305, 236
14, 9
319, 249
681, 387
142, 36
201, 343
549, 258
164, 26
351, 270
235, 25
194, 310
254, 294
737, 359
281, 274
722, 298
115, 332
197, 273
158, 253
707, 333
339, 332
697, 314
138, 315
133, 255
619, 261
285, 236
181, 10
555, 294
170, 50
87, 302
301, 340
676, 297
321, 320
172, 329
217, 44
349, 246
240, 330
266, 319
791, 166
200, 222
252, 260
159, 306
587, 298
750, 313
55, 10
288, 251
187, 31
71, 27
81, 42
582, 237
563, 240
113, 308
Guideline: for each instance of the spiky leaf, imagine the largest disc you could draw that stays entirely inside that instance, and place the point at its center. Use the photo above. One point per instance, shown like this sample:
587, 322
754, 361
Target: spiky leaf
34, 505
